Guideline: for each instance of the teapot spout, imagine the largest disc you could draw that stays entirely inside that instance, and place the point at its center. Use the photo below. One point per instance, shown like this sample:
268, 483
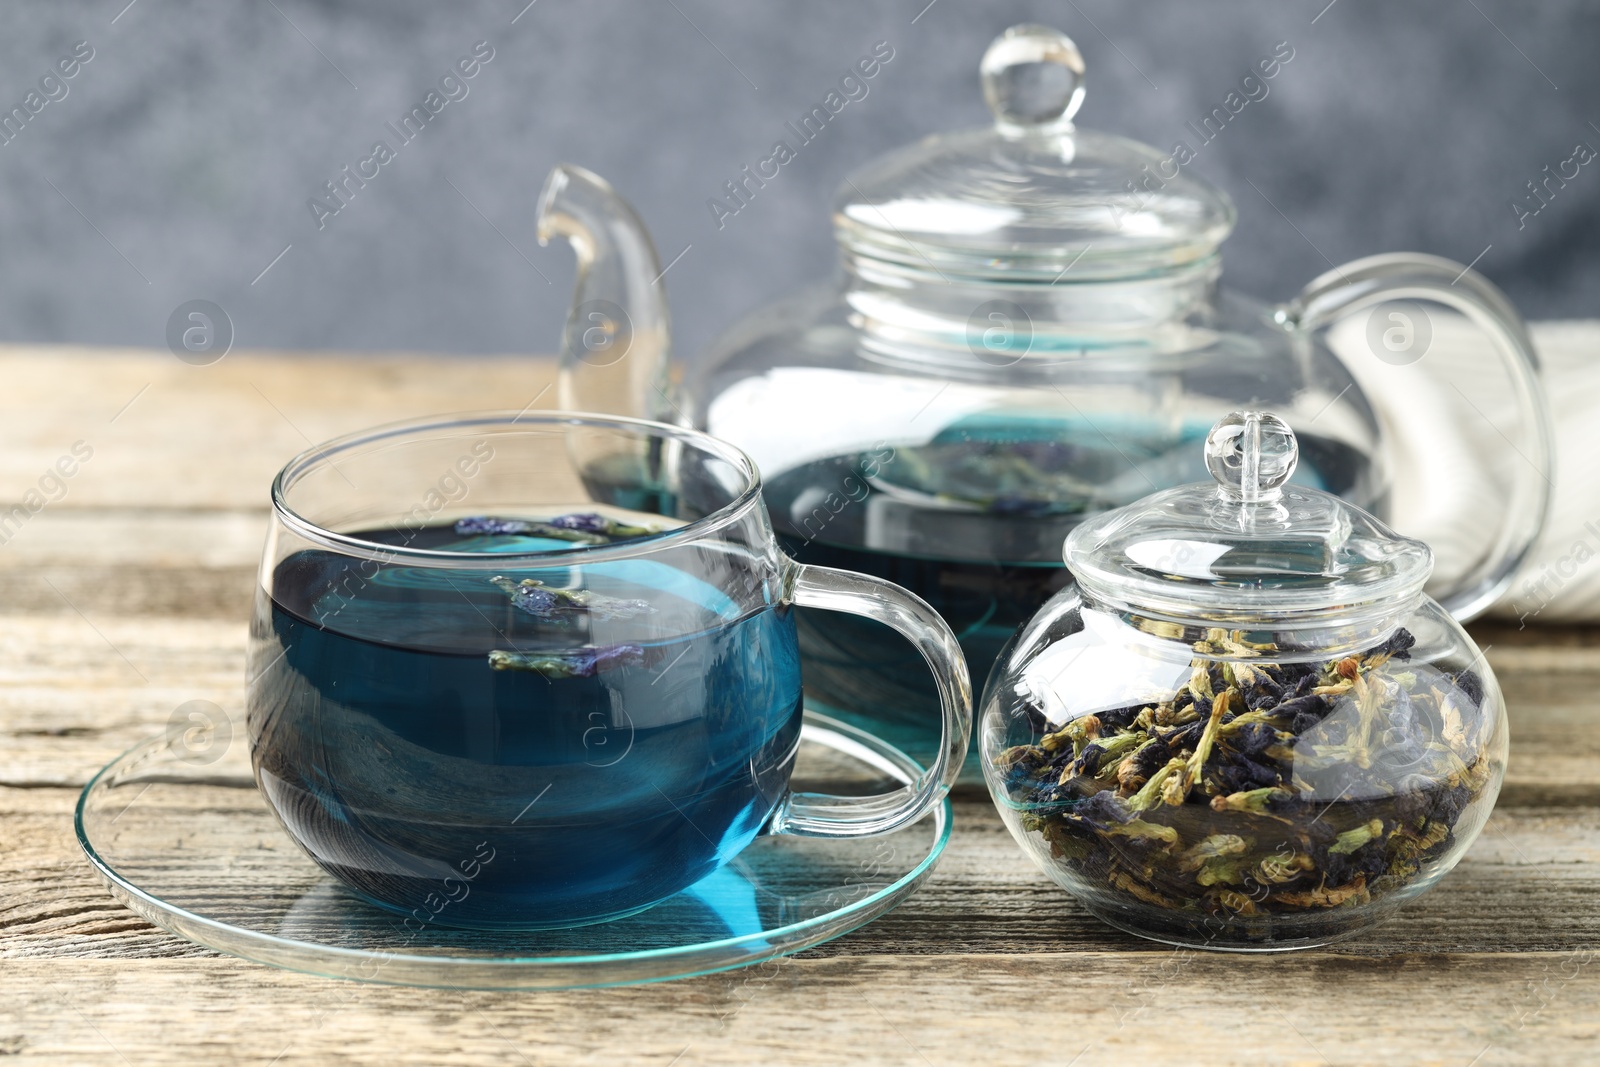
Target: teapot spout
614, 349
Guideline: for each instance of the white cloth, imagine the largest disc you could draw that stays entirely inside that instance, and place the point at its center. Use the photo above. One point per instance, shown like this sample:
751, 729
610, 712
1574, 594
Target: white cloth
1468, 434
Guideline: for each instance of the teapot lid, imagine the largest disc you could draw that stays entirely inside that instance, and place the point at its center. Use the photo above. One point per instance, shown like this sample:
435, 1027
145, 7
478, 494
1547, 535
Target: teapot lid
1032, 196
1248, 546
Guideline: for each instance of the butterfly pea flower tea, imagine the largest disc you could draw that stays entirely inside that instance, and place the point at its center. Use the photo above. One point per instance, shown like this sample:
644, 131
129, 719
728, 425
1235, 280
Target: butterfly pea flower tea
1245, 727
431, 694
562, 706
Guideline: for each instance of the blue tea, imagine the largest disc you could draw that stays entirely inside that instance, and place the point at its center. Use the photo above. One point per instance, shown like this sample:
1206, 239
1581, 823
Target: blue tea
973, 522
517, 748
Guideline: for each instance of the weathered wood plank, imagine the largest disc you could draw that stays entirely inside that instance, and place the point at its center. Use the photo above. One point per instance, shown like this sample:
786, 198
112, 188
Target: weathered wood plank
1089, 1008
148, 539
1526, 885
123, 592
167, 434
77, 690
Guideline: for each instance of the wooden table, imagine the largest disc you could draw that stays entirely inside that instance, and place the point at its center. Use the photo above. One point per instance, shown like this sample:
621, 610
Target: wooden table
126, 596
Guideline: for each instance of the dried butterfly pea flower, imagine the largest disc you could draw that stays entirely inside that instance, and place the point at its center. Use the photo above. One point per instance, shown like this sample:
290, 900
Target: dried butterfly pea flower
1211, 848
1353, 839
581, 527
493, 526
1283, 867
554, 604
1261, 788
600, 524
484, 524
577, 663
1326, 897
1099, 756
1470, 684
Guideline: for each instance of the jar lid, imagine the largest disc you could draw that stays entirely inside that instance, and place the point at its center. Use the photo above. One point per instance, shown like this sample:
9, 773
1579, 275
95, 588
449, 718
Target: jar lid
1249, 546
1032, 197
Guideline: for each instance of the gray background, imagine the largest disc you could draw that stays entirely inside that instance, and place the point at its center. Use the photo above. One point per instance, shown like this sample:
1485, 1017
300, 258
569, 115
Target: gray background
193, 139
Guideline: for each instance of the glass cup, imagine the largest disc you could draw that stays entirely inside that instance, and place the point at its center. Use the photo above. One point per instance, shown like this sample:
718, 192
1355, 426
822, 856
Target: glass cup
540, 670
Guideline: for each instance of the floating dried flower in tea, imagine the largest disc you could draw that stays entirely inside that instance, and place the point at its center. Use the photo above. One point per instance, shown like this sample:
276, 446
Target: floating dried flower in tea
576, 663
584, 528
1260, 788
554, 604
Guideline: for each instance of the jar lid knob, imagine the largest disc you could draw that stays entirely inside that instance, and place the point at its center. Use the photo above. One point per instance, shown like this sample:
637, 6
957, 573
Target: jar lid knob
1032, 79
1251, 454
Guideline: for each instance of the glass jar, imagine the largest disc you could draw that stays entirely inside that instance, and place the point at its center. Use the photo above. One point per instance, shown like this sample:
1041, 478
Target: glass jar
1244, 726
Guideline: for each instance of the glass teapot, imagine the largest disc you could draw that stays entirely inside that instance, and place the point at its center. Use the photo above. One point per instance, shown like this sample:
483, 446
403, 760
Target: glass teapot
1026, 330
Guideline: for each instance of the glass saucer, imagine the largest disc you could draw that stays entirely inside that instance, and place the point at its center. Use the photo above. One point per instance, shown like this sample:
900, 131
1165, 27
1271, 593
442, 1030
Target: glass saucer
187, 842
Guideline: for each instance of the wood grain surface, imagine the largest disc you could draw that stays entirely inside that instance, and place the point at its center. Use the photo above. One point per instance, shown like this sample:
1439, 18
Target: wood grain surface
126, 594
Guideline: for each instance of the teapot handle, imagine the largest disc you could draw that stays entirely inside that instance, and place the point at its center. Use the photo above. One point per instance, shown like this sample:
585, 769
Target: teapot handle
1363, 283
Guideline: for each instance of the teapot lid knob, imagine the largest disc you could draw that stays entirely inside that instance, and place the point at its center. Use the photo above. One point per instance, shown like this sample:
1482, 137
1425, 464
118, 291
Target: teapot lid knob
1032, 79
1251, 454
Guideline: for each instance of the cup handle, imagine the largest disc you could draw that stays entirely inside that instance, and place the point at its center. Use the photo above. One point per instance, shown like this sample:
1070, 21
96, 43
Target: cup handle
1364, 283
826, 815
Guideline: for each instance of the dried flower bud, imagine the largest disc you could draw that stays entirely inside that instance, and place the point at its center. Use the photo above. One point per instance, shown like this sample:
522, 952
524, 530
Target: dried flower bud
1258, 788
551, 603
1211, 847
579, 663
